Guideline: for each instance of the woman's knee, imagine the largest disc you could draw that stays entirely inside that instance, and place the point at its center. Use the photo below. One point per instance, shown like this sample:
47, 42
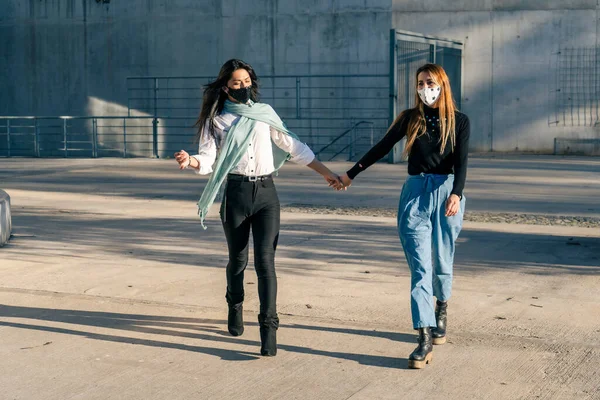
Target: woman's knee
240, 260
264, 262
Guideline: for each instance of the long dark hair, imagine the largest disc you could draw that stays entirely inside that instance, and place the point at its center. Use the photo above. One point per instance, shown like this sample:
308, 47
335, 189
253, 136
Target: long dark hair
214, 97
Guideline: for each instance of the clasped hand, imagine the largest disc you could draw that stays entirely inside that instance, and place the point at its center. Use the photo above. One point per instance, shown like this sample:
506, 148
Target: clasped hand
338, 182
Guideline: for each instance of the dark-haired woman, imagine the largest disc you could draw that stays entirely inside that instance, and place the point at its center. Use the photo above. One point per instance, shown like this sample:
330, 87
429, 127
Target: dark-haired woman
242, 142
432, 204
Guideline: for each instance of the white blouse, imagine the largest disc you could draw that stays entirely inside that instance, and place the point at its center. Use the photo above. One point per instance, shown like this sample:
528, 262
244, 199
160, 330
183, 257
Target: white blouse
258, 159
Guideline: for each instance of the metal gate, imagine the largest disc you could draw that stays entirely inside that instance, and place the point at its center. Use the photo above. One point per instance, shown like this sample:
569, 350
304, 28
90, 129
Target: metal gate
408, 52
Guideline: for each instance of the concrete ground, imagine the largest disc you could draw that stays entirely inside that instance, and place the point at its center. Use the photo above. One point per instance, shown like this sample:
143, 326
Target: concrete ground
110, 289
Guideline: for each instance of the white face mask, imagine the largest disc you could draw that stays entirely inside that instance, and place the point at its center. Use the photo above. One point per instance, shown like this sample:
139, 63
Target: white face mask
429, 95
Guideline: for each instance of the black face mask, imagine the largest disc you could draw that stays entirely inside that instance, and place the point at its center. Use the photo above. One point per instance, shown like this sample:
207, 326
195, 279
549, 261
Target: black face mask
242, 95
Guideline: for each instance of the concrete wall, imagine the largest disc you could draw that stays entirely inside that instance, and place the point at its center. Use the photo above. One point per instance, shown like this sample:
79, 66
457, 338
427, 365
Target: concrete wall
5, 218
510, 64
72, 57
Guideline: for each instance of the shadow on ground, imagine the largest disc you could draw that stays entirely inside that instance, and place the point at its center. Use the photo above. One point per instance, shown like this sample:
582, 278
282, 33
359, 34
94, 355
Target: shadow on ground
206, 330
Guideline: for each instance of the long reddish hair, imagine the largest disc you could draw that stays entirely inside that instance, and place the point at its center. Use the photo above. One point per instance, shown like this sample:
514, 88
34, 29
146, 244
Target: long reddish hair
416, 115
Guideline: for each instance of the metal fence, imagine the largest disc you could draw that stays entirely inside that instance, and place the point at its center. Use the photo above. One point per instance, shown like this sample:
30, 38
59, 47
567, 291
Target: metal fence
139, 136
575, 92
577, 87
106, 136
318, 108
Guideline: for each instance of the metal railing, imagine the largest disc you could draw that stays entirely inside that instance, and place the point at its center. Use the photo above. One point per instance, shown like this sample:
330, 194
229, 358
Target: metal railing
293, 96
315, 107
124, 136
352, 143
97, 136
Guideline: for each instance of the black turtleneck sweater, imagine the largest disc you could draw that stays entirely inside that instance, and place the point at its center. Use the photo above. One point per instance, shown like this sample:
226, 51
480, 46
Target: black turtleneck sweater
425, 154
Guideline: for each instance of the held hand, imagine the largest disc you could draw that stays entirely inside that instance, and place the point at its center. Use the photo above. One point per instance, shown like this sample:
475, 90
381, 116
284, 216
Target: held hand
346, 181
334, 181
183, 158
452, 205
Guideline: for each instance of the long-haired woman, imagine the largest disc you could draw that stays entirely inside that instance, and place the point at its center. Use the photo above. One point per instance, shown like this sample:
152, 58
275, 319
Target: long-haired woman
242, 142
432, 204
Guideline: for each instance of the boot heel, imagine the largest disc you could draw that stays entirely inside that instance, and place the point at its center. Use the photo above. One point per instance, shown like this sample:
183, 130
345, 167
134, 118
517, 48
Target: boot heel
440, 340
235, 316
422, 355
268, 334
429, 358
415, 364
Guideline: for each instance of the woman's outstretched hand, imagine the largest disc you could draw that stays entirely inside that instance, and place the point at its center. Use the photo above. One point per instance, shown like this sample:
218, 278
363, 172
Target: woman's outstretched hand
183, 159
452, 205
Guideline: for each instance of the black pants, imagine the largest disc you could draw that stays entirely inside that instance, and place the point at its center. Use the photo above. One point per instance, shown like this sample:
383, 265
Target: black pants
253, 205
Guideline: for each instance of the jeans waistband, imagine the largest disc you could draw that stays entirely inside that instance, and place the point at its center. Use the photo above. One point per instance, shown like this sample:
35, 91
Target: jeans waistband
430, 182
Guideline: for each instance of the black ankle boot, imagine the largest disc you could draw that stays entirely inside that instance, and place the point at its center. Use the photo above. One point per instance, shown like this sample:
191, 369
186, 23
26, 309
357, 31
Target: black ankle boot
423, 353
235, 318
441, 314
268, 334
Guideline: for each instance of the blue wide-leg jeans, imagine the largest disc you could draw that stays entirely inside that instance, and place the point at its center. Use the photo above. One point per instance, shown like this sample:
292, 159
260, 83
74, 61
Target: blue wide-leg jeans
428, 238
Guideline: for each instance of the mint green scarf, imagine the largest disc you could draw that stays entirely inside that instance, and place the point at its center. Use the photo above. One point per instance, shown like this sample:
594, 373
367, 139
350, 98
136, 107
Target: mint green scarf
235, 145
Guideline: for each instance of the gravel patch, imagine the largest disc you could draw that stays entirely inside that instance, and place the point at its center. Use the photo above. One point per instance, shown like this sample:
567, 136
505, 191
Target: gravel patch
473, 216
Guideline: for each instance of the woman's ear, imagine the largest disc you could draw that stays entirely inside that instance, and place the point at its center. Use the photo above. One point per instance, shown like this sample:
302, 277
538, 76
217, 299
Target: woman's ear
225, 89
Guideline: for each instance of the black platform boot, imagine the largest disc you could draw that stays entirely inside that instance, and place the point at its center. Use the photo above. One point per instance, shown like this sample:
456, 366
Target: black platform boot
423, 353
441, 314
235, 318
268, 334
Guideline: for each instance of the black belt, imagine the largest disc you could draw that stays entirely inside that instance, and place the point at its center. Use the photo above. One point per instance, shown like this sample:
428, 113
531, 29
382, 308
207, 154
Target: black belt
244, 178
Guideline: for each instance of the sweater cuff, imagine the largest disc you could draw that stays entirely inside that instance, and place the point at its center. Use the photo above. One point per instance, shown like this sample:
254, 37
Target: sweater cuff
460, 196
352, 172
